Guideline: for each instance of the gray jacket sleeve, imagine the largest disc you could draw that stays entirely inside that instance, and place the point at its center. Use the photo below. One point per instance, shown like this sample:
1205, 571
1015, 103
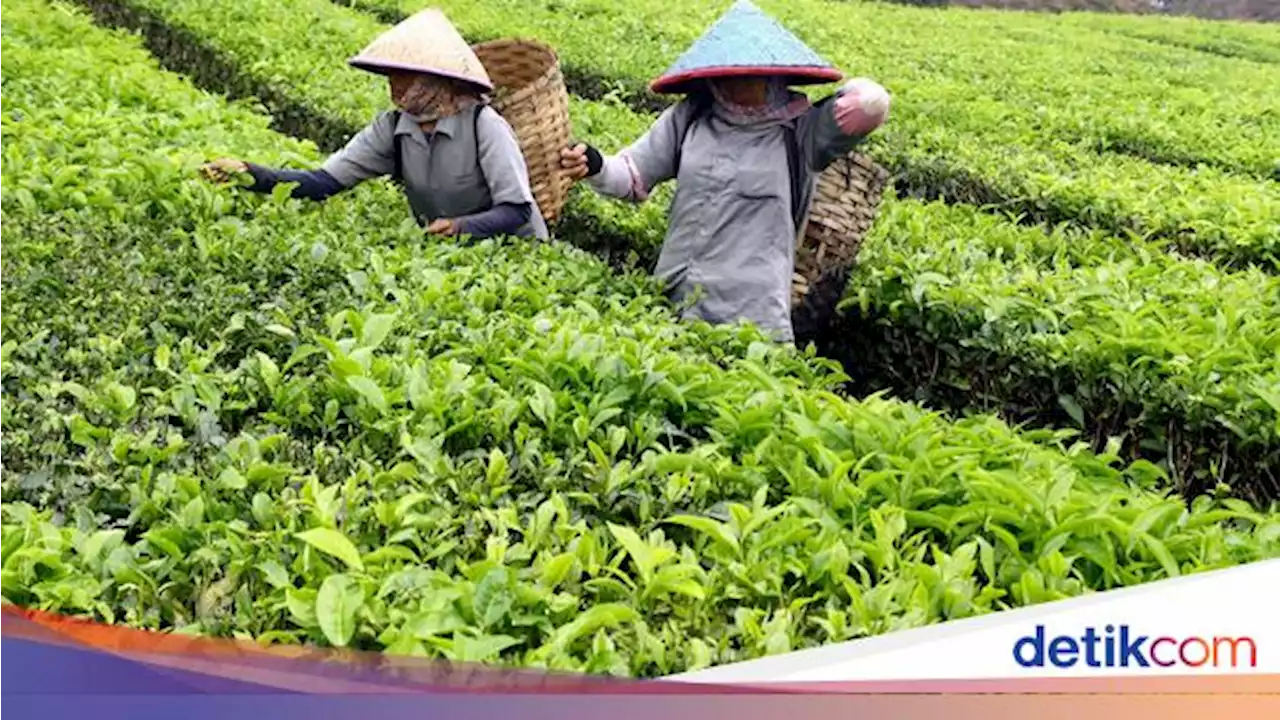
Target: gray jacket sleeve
502, 161
648, 162
370, 154
822, 142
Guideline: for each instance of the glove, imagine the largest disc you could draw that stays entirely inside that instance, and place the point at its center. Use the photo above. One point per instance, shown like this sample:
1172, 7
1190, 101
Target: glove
581, 160
862, 107
871, 94
595, 161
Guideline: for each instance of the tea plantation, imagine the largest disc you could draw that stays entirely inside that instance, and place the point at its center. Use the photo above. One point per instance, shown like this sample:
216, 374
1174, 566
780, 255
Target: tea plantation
1056, 369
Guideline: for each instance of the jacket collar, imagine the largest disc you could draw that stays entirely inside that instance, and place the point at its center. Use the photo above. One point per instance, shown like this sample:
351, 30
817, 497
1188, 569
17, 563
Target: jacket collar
447, 126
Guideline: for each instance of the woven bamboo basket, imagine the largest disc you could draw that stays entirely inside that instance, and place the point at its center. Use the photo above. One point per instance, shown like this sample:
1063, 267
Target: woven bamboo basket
529, 92
845, 201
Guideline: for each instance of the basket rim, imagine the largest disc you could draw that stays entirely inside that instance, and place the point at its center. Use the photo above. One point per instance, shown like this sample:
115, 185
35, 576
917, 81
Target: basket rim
550, 77
526, 41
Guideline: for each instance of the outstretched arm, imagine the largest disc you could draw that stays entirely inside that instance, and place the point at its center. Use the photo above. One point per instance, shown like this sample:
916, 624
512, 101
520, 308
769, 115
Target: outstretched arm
311, 184
835, 126
367, 155
370, 154
633, 173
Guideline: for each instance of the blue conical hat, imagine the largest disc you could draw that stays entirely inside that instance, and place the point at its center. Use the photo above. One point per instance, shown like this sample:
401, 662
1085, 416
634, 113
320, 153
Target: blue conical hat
745, 41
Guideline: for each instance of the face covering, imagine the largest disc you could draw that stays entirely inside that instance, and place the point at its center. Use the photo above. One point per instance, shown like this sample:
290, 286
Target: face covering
781, 103
430, 98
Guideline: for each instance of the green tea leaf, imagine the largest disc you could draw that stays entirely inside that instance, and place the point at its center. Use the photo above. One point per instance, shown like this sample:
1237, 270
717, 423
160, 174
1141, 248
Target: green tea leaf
497, 471
269, 370
337, 603
302, 606
492, 600
718, 532
481, 649
370, 391
557, 568
332, 542
275, 574
376, 328
1073, 409
96, 542
645, 557
1161, 552
599, 616
231, 479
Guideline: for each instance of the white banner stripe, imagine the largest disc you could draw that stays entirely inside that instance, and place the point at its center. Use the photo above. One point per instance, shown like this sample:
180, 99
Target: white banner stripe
1179, 620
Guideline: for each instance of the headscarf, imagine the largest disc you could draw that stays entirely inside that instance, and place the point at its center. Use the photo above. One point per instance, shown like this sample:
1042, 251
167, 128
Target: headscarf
431, 97
781, 103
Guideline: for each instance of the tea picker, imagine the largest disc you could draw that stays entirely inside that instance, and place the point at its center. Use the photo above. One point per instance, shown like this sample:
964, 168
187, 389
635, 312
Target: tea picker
771, 201
459, 157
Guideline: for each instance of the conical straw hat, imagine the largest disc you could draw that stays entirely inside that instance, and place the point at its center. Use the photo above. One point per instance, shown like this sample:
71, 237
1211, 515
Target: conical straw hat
425, 42
746, 41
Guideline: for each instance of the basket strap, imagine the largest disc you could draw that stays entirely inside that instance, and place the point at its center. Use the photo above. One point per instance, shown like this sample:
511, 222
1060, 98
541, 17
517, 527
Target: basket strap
801, 191
475, 134
700, 107
397, 172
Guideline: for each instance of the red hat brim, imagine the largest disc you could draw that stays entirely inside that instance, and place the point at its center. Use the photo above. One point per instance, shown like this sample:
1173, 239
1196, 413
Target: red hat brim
684, 82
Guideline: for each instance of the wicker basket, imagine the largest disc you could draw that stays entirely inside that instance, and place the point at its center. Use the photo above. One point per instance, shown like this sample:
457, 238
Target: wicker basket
529, 92
845, 201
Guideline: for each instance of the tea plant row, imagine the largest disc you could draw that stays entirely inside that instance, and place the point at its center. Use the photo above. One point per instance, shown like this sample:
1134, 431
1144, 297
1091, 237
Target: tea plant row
966, 311
1083, 127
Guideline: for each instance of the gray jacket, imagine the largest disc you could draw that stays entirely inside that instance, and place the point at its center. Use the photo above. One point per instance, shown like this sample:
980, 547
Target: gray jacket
463, 168
733, 226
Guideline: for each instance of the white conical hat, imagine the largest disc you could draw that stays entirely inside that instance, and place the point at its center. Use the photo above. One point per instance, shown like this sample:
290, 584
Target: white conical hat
425, 42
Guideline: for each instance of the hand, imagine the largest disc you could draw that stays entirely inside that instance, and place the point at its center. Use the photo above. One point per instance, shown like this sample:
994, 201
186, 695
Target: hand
872, 96
222, 169
443, 226
863, 107
575, 163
